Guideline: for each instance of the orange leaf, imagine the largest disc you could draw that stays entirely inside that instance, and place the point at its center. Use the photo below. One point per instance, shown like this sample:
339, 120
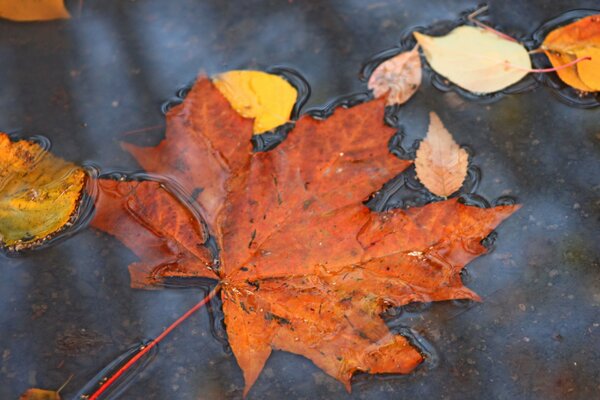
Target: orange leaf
172, 243
305, 266
40, 394
576, 40
441, 165
399, 77
33, 10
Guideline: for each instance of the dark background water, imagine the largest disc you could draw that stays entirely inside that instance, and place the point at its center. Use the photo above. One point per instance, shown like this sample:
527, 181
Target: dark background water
69, 309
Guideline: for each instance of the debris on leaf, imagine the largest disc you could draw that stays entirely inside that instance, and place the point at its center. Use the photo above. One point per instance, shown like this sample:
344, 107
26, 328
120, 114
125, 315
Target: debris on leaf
305, 266
267, 98
40, 394
399, 77
574, 41
39, 193
476, 59
33, 10
441, 164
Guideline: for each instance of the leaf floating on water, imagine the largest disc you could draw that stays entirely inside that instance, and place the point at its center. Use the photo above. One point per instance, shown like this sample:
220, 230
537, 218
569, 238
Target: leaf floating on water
33, 10
577, 40
40, 394
159, 228
476, 59
267, 98
441, 165
399, 77
305, 266
39, 193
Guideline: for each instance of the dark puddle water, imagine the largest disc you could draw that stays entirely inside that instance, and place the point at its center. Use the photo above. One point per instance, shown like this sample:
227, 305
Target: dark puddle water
541, 286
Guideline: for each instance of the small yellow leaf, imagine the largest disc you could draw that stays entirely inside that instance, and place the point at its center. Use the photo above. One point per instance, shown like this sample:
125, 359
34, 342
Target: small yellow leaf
441, 164
267, 98
475, 59
40, 394
39, 193
33, 10
399, 77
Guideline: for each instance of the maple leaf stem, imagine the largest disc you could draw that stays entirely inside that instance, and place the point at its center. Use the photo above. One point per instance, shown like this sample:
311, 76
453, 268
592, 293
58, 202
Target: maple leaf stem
553, 69
140, 130
471, 17
145, 349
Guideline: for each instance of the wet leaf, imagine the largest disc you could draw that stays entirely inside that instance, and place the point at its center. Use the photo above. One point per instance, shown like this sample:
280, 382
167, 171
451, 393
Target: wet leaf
39, 193
172, 245
476, 59
398, 78
33, 10
305, 266
40, 394
576, 40
441, 164
267, 98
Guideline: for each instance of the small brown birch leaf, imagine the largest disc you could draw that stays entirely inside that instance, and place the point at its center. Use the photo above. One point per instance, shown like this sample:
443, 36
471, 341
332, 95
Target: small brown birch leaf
399, 77
441, 164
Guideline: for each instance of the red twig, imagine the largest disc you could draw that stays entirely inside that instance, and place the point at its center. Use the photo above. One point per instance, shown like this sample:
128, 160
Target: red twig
480, 24
553, 69
110, 381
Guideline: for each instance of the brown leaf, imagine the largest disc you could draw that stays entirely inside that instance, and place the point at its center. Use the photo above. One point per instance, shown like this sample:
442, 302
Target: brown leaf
441, 165
399, 77
305, 266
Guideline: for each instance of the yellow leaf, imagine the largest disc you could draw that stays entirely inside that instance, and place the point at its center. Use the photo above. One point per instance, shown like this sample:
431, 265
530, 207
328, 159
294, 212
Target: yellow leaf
399, 77
267, 98
475, 59
40, 394
33, 10
39, 193
441, 165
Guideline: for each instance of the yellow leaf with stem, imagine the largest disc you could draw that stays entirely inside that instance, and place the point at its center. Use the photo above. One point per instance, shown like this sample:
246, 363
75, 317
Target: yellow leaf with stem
476, 59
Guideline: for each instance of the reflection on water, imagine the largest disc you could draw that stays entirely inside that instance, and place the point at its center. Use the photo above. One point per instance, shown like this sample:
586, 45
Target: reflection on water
83, 81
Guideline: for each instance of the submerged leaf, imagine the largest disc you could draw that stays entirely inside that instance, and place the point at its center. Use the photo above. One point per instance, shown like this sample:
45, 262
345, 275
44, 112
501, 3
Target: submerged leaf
40, 394
576, 40
33, 10
174, 238
476, 59
267, 98
39, 193
441, 164
399, 77
305, 266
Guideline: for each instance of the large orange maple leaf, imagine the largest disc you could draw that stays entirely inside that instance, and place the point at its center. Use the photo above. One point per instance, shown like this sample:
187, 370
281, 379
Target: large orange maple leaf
305, 266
